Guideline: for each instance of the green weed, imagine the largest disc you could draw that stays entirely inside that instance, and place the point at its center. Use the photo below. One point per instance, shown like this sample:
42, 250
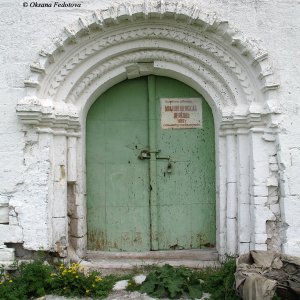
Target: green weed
72, 281
30, 281
219, 282
36, 279
167, 281
170, 282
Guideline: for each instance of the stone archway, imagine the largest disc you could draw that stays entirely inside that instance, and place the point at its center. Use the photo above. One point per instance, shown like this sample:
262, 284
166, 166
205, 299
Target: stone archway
185, 43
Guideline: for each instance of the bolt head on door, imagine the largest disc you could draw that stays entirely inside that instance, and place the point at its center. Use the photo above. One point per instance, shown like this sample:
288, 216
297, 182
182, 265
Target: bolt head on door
144, 154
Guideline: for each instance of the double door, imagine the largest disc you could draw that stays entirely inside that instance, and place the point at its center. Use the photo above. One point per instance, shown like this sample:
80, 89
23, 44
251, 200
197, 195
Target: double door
149, 186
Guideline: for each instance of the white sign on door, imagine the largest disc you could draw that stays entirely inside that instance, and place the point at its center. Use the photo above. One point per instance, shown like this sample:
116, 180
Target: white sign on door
181, 113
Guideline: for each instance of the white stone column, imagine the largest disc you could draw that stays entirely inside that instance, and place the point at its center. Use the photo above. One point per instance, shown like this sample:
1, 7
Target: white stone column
35, 217
231, 182
243, 191
78, 225
72, 157
221, 195
59, 203
259, 174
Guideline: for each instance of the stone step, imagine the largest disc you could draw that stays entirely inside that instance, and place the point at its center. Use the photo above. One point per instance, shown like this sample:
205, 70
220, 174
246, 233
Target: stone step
122, 262
202, 255
107, 267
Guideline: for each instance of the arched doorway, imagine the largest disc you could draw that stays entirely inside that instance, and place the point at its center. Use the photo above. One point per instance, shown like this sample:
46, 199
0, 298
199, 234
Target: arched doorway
150, 167
178, 41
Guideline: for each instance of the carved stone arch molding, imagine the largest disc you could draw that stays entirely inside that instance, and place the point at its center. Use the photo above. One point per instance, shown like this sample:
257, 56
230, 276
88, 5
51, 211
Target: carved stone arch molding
170, 39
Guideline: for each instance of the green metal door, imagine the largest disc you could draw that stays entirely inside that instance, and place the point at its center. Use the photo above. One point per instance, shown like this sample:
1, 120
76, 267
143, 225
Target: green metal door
148, 188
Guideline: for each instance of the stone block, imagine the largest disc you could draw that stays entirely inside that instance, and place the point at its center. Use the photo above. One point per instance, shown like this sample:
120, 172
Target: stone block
259, 190
80, 245
232, 205
273, 199
271, 149
4, 210
259, 149
244, 219
272, 181
11, 234
6, 254
261, 215
262, 247
243, 189
260, 238
72, 160
36, 209
78, 227
60, 150
243, 154
59, 205
4, 214
275, 208
284, 158
12, 219
80, 211
44, 147
269, 137
31, 136
231, 238
243, 248
260, 172
284, 187
221, 242
36, 238
259, 200
3, 199
59, 229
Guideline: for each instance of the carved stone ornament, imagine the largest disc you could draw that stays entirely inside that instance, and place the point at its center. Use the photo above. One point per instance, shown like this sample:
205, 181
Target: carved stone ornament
185, 37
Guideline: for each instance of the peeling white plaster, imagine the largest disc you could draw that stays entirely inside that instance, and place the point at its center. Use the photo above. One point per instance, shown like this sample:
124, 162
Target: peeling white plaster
258, 141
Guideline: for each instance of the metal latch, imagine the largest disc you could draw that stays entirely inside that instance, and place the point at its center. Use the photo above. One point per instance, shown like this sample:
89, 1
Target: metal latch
145, 154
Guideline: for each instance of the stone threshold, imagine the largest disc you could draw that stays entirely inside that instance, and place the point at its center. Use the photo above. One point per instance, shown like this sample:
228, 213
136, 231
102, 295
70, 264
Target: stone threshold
118, 262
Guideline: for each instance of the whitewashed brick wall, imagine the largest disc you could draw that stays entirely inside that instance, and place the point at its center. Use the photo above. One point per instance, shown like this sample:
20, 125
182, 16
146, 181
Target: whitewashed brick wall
26, 30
